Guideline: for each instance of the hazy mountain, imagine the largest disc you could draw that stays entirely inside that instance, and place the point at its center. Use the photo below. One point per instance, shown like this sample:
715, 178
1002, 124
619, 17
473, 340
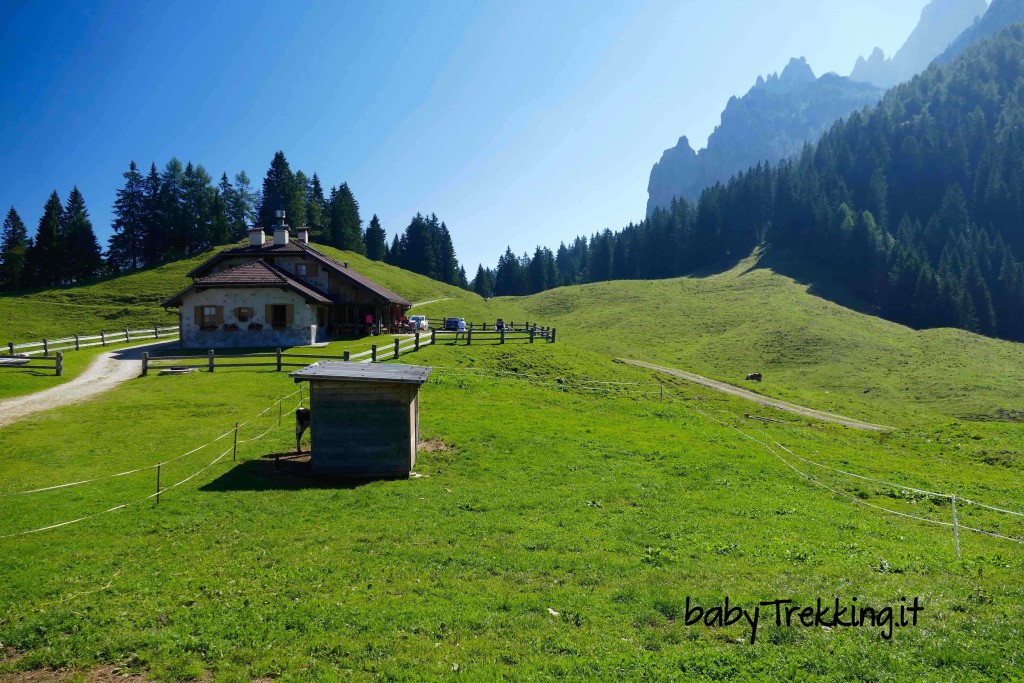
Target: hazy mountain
771, 122
941, 22
1000, 15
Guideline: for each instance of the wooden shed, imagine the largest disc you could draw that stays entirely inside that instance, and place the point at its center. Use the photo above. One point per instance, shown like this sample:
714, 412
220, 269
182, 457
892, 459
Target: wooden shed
364, 418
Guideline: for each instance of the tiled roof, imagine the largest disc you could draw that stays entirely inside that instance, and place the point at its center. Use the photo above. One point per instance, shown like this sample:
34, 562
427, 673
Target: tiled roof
361, 279
296, 248
253, 274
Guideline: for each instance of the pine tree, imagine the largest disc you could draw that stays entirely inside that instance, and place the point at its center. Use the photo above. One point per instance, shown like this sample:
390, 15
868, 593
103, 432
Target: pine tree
376, 240
155, 229
483, 283
316, 210
345, 225
171, 211
125, 247
14, 246
281, 192
44, 262
242, 207
81, 249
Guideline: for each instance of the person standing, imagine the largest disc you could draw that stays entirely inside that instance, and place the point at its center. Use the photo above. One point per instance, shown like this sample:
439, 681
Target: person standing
462, 330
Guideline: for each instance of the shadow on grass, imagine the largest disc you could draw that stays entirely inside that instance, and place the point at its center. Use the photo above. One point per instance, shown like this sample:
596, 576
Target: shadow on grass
278, 472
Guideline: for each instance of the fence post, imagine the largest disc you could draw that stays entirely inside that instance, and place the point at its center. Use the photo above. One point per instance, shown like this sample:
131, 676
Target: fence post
396, 349
210, 356
46, 348
126, 337
103, 338
156, 332
10, 347
553, 330
158, 483
373, 353
234, 450
59, 365
77, 347
279, 359
145, 363
348, 357
433, 338
956, 527
531, 335
417, 348
503, 335
469, 337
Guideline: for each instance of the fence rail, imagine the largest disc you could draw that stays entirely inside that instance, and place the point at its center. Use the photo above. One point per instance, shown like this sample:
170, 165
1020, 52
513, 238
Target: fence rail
29, 363
81, 341
376, 353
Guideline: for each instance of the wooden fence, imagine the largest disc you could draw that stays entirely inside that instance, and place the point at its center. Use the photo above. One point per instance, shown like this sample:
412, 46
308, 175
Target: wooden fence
280, 360
78, 341
29, 363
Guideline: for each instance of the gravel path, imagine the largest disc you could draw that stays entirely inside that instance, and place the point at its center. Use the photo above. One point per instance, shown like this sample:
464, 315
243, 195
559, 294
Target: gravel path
105, 372
432, 301
758, 398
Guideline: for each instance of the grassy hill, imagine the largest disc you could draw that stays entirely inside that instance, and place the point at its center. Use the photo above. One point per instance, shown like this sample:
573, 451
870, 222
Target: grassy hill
561, 523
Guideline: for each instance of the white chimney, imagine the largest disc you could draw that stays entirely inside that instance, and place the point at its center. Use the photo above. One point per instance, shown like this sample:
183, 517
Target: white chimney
280, 230
256, 236
304, 234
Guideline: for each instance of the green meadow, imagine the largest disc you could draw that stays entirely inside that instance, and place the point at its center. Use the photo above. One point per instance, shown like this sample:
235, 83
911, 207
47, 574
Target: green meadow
567, 507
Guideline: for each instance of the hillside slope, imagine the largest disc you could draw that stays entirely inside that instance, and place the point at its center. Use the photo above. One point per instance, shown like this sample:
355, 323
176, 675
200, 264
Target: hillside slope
134, 300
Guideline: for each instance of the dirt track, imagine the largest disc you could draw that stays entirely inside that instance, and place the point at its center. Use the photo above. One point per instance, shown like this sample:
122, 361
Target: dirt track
758, 398
104, 373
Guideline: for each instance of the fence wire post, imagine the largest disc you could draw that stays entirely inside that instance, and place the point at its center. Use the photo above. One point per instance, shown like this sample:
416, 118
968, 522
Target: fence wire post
145, 363
956, 527
158, 483
234, 450
59, 364
77, 345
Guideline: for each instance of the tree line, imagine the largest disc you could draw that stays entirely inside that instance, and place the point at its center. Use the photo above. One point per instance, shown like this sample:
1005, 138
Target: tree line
916, 206
179, 212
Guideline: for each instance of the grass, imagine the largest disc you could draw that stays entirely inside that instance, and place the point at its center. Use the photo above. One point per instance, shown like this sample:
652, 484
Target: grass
535, 496
560, 524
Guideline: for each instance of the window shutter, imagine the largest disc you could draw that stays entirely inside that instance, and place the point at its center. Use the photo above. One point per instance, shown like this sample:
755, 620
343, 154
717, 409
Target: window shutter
199, 315
289, 313
269, 315
219, 316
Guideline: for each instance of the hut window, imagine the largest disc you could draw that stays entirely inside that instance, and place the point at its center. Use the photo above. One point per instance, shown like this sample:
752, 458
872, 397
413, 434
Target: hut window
243, 313
301, 269
279, 315
209, 317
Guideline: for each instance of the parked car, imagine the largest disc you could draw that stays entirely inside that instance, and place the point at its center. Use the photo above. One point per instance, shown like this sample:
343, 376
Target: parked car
419, 322
452, 324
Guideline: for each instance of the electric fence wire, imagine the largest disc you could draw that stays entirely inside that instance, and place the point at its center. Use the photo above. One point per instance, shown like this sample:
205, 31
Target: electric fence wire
149, 467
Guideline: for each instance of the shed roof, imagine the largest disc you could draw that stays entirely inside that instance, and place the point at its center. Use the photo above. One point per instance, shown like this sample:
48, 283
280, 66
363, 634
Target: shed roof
340, 371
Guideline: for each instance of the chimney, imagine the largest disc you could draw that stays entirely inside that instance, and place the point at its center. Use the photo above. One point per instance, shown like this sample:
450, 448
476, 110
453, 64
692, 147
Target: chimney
280, 230
256, 236
304, 234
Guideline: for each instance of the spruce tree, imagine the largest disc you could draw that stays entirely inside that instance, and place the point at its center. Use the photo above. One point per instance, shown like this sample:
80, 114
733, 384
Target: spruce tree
345, 225
125, 247
242, 207
376, 240
80, 247
155, 230
281, 192
316, 210
14, 245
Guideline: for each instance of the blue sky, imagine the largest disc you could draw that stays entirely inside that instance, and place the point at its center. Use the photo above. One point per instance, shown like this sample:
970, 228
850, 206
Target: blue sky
517, 123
